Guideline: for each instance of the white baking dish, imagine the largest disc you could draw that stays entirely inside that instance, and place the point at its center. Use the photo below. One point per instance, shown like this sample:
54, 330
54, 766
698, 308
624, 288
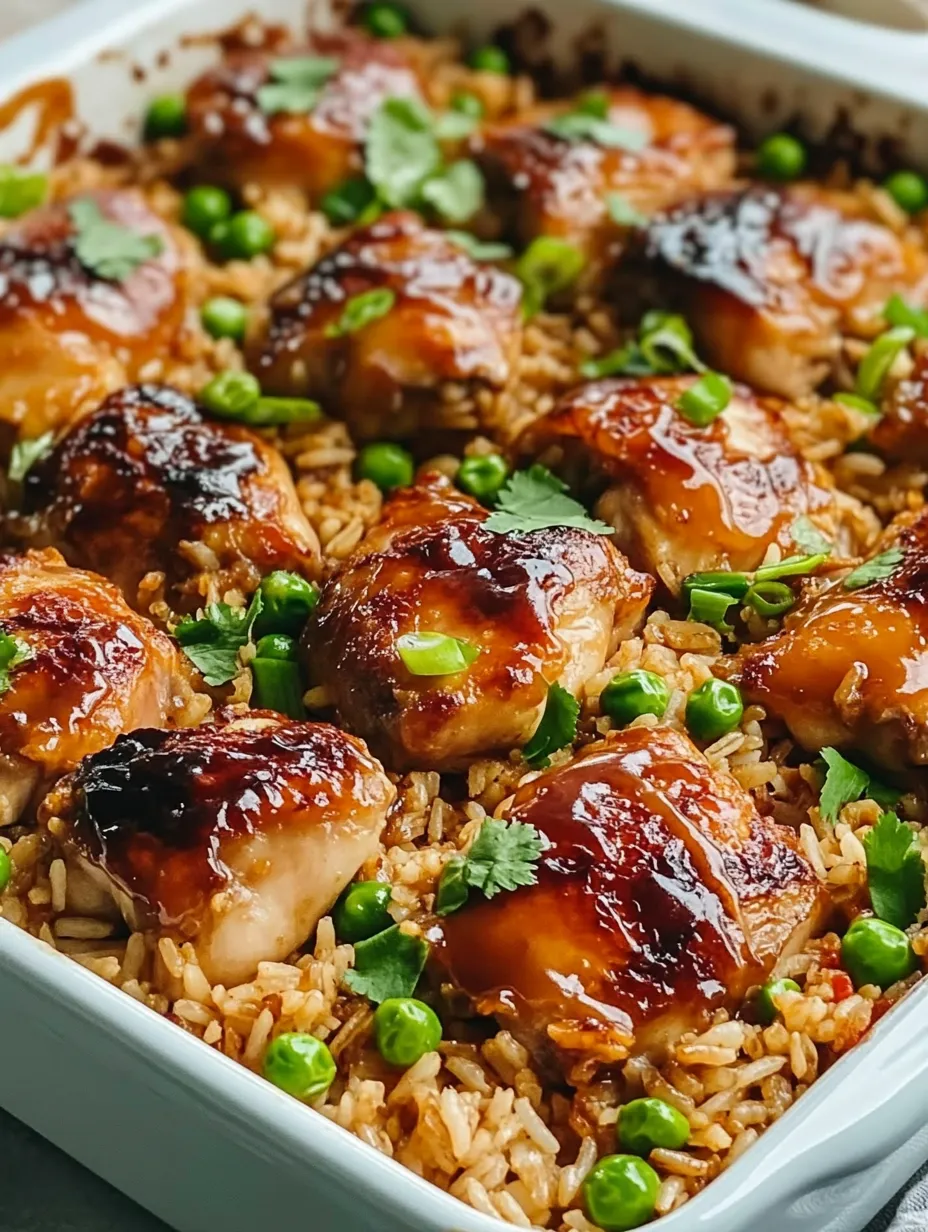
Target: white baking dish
197, 1139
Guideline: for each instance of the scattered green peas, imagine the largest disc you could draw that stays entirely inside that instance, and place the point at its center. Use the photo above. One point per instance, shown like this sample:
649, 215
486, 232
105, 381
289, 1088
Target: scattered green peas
405, 1030
620, 1192
908, 189
361, 911
647, 1123
204, 207
385, 20
287, 603
482, 477
166, 117
490, 59
299, 1064
634, 693
765, 1005
231, 395
713, 709
781, 157
245, 235
874, 952
224, 317
6, 869
388, 465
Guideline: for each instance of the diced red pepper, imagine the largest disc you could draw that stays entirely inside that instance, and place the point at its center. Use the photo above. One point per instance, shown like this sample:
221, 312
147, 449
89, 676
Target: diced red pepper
841, 985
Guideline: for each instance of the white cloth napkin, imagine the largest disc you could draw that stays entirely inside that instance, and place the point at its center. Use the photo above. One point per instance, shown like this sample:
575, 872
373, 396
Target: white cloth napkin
910, 1214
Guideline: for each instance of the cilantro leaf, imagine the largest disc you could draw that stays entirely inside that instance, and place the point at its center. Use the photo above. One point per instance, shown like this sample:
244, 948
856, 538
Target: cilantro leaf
808, 538
457, 193
844, 783
895, 871
623, 213
13, 652
213, 641
26, 453
878, 569
455, 125
401, 151
108, 249
478, 249
502, 857
387, 965
452, 886
589, 121
557, 727
361, 310
295, 84
535, 499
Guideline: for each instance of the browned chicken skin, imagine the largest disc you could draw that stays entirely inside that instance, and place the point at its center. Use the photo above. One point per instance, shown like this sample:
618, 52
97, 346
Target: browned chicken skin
454, 320
238, 836
851, 667
545, 606
147, 472
67, 335
772, 279
317, 151
542, 184
663, 895
901, 433
681, 497
96, 669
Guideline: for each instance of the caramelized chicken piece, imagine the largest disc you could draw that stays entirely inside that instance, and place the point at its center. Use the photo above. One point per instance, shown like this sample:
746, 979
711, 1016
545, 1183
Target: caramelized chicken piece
315, 149
237, 837
682, 497
901, 433
541, 607
663, 894
453, 320
851, 667
772, 279
543, 184
67, 335
147, 472
94, 669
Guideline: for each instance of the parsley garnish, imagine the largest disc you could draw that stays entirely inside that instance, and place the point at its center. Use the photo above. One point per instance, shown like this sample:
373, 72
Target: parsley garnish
845, 783
458, 193
534, 500
589, 121
895, 871
879, 569
26, 453
623, 213
387, 965
556, 729
478, 250
361, 310
295, 84
807, 536
213, 641
13, 652
108, 249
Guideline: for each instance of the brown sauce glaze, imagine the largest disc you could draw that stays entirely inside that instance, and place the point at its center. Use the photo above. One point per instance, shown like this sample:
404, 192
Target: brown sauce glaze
53, 102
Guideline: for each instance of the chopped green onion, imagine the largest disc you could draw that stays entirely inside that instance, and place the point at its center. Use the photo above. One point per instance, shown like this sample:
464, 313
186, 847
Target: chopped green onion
20, 190
792, 566
875, 365
362, 310
666, 343
770, 598
710, 607
277, 685
435, 654
898, 312
546, 267
706, 399
724, 580
857, 403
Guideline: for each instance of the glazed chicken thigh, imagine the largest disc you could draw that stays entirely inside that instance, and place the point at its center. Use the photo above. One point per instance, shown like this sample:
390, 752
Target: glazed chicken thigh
238, 836
772, 279
70, 329
147, 473
682, 497
448, 321
89, 668
540, 607
662, 895
901, 432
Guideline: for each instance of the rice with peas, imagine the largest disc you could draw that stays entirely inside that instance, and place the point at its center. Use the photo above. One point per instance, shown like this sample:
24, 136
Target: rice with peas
477, 1117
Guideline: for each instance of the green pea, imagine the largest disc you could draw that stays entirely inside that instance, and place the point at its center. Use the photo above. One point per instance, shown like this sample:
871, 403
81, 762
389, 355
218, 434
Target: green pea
389, 466
647, 1123
405, 1030
231, 395
204, 207
781, 157
299, 1064
765, 1004
634, 693
288, 600
385, 20
713, 710
908, 189
166, 117
874, 952
361, 911
224, 317
620, 1192
244, 236
6, 868
276, 646
490, 59
482, 477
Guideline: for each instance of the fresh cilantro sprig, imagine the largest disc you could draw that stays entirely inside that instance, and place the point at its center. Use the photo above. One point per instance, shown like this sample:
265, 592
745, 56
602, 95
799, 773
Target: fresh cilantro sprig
502, 857
895, 871
361, 310
881, 567
808, 538
13, 652
387, 965
457, 193
534, 500
623, 213
26, 453
845, 783
479, 250
589, 121
556, 729
108, 249
213, 642
295, 84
